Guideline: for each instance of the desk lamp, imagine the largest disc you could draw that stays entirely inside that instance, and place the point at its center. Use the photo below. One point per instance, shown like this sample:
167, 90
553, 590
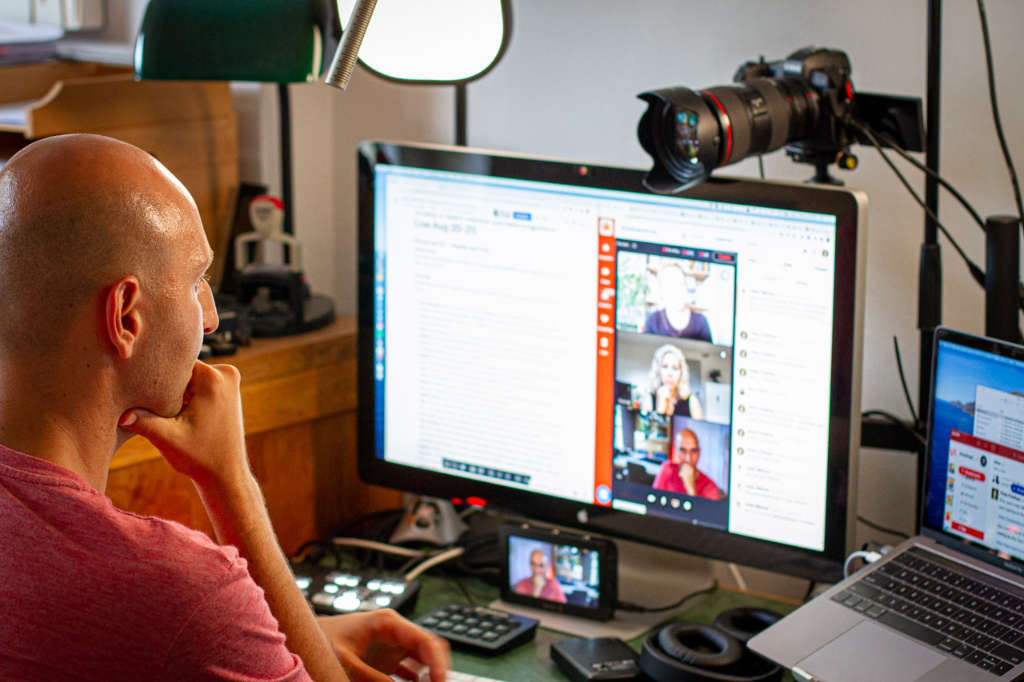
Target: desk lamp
265, 41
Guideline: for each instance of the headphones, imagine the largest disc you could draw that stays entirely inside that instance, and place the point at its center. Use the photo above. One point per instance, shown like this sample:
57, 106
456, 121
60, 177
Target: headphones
690, 651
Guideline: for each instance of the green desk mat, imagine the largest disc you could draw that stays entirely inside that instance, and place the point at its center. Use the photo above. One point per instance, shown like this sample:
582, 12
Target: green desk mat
532, 662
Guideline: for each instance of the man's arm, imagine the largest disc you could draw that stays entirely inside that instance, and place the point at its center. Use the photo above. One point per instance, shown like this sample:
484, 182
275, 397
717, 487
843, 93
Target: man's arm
206, 442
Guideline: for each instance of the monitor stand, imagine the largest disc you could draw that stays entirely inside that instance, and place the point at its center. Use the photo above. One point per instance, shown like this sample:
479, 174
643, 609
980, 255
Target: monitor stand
648, 576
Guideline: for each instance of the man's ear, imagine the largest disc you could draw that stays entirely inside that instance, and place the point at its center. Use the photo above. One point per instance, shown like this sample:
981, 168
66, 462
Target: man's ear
121, 315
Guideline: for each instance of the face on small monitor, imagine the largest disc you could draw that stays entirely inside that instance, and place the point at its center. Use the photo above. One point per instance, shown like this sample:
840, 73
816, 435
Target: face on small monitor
554, 337
553, 572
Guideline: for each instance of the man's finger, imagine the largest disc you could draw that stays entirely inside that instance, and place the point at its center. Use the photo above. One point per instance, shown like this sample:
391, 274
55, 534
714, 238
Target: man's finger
428, 648
358, 670
144, 423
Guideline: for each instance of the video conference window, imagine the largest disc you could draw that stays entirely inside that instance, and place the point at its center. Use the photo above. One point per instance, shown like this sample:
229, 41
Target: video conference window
673, 379
558, 573
677, 297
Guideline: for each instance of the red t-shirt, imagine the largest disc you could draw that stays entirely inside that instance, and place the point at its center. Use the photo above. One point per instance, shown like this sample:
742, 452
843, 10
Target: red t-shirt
668, 479
90, 592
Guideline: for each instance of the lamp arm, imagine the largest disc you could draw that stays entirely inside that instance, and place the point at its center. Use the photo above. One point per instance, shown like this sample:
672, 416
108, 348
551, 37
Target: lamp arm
348, 51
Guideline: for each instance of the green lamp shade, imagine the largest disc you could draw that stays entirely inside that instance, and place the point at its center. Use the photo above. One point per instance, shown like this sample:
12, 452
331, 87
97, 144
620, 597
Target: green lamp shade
269, 41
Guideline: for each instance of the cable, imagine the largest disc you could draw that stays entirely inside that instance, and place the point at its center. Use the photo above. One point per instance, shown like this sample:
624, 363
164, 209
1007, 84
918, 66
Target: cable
903, 380
867, 556
378, 546
895, 420
881, 528
977, 273
434, 561
738, 577
628, 606
902, 153
995, 110
810, 590
942, 181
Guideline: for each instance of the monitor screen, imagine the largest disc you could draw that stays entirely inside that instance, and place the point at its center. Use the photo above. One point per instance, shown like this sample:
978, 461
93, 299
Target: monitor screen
975, 480
550, 337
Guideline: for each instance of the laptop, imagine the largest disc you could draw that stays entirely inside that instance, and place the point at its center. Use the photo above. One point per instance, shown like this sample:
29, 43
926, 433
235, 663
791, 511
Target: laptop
948, 604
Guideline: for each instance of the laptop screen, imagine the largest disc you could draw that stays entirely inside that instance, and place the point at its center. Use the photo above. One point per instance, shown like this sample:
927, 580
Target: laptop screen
975, 490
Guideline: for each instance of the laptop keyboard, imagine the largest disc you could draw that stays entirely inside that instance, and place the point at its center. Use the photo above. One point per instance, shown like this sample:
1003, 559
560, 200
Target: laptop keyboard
962, 612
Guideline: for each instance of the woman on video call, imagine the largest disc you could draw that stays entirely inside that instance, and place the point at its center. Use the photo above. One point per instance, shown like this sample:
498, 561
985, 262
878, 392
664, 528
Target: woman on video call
677, 317
670, 385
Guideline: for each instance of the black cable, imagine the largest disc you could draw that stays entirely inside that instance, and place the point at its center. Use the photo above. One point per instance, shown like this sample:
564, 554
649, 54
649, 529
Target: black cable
628, 606
931, 172
977, 273
760, 164
895, 420
995, 110
903, 380
810, 590
880, 528
942, 181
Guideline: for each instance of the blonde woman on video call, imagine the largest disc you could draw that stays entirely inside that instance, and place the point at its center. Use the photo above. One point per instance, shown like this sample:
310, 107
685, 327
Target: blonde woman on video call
670, 385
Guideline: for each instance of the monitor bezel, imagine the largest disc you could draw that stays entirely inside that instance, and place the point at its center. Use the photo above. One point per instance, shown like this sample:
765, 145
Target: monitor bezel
849, 206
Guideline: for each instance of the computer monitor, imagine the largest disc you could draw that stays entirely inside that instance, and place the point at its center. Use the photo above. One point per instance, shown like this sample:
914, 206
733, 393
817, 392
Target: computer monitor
550, 337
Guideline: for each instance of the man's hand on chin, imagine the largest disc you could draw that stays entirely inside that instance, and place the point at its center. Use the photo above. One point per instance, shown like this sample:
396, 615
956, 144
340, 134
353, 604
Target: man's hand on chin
206, 439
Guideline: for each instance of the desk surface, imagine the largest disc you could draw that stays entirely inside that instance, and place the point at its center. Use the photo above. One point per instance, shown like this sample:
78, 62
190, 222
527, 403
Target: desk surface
532, 662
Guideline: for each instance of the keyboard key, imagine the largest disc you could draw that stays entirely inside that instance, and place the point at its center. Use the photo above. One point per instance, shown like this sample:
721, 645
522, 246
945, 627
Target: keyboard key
1009, 653
866, 591
982, 641
874, 611
997, 630
1000, 668
955, 630
963, 650
910, 628
841, 596
1010, 636
985, 626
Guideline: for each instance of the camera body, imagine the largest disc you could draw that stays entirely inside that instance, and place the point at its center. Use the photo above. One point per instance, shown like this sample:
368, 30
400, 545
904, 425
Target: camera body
801, 102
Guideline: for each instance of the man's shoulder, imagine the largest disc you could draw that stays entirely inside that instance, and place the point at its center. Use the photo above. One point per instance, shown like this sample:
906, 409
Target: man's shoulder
172, 549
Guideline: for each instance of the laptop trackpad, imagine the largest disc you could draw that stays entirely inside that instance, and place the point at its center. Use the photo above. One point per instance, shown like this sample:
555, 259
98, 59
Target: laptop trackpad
870, 652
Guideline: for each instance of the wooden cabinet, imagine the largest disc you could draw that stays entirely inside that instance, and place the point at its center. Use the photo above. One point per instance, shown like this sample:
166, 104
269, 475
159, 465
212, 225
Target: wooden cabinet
299, 402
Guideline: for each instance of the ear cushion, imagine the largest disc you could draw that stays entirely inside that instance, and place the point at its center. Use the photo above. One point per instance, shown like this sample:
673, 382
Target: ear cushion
688, 652
698, 644
745, 622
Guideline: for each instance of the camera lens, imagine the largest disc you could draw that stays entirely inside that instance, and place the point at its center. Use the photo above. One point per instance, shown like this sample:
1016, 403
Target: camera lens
689, 133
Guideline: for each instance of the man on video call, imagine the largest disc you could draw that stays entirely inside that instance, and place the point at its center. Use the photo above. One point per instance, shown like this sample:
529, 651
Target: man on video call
539, 583
102, 313
679, 473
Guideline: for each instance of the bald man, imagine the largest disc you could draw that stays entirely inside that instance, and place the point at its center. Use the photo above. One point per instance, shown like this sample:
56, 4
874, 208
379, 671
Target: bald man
103, 306
679, 473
